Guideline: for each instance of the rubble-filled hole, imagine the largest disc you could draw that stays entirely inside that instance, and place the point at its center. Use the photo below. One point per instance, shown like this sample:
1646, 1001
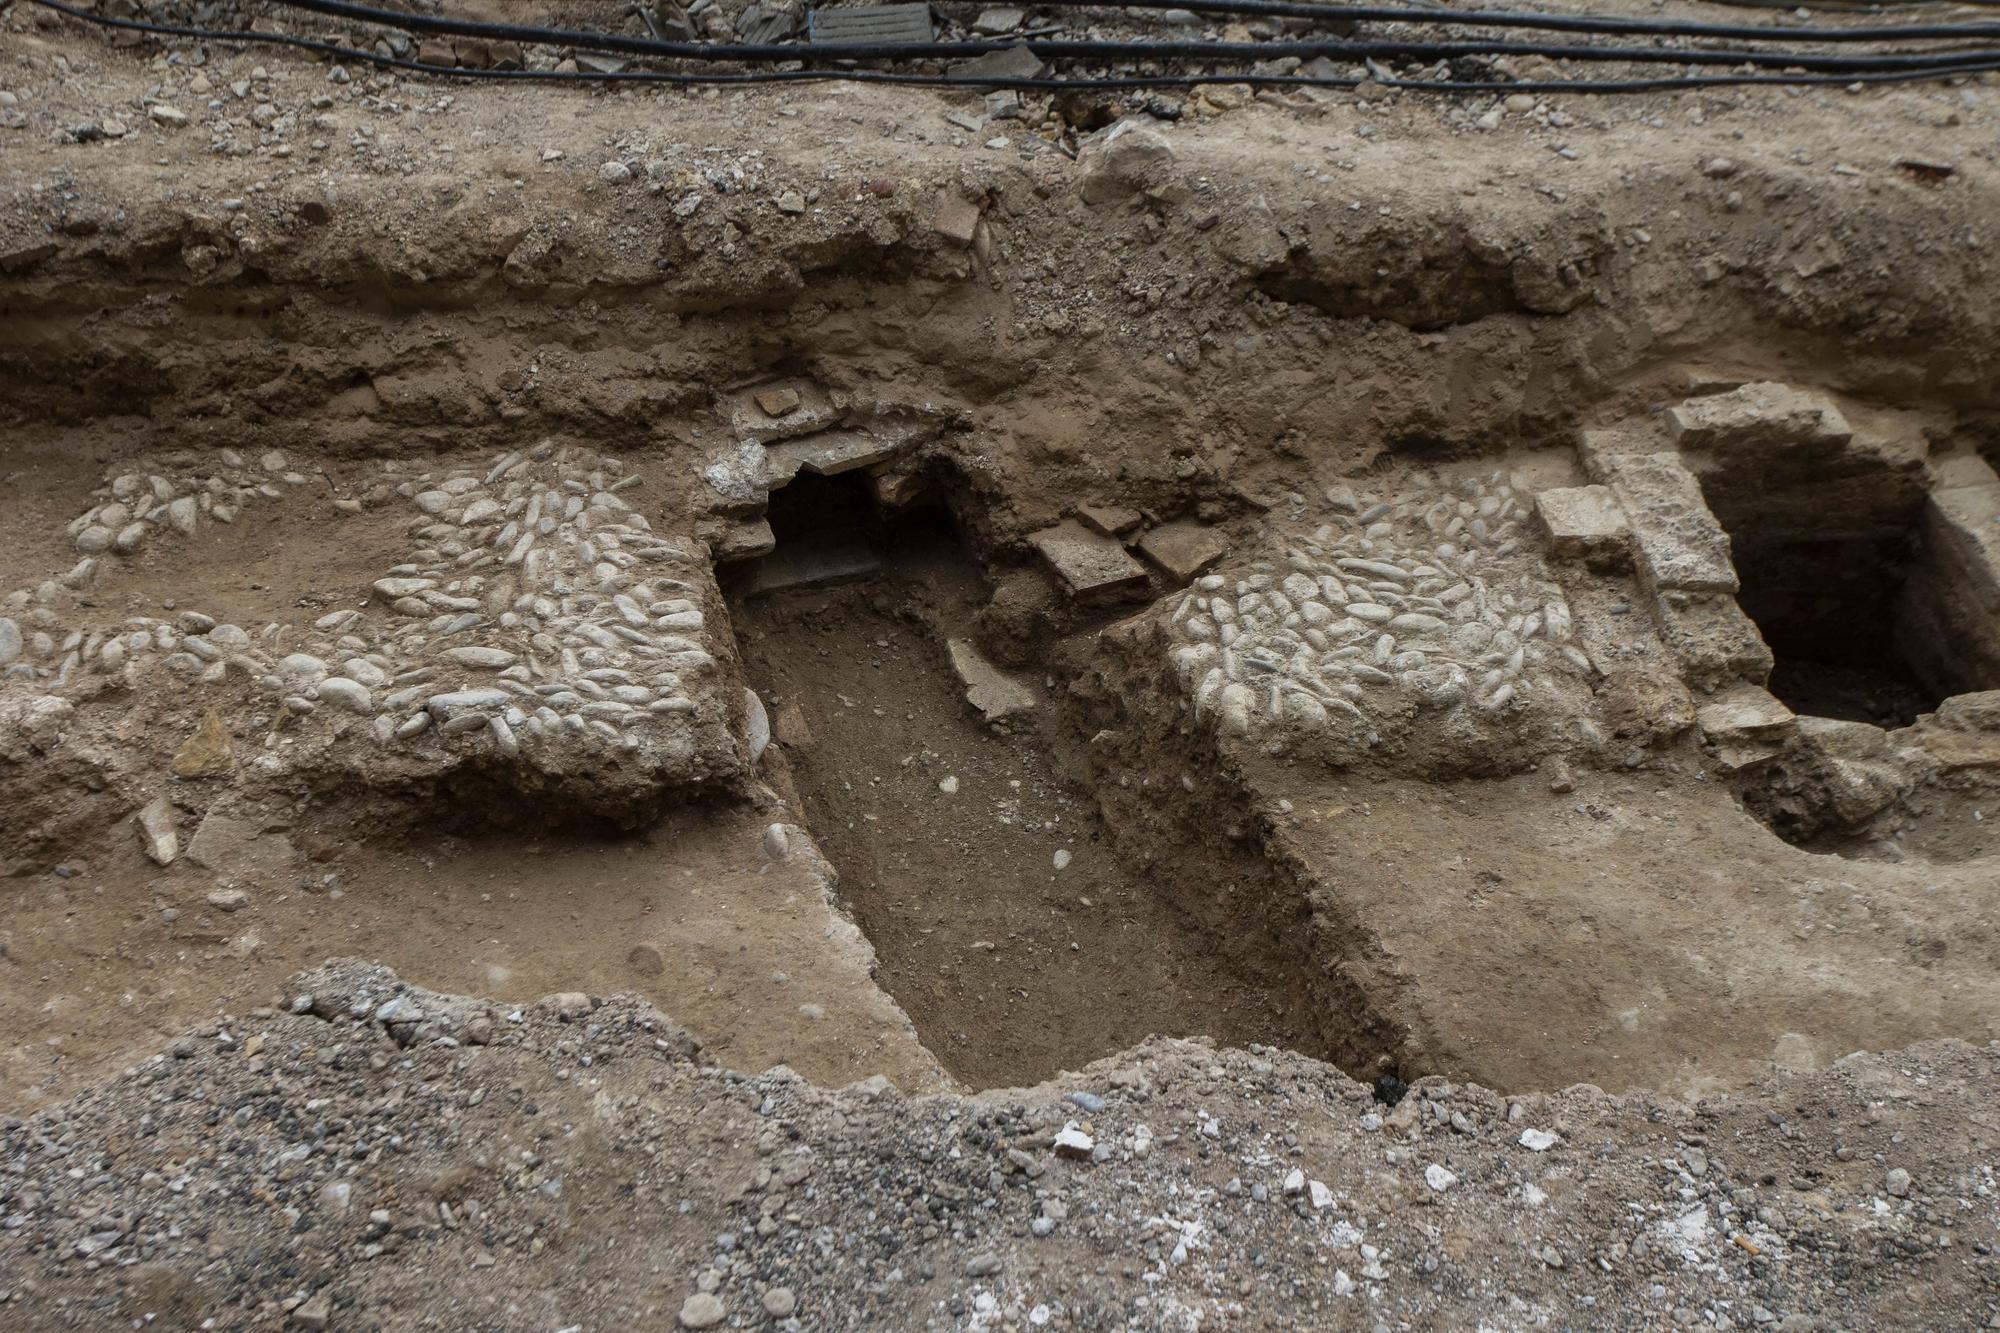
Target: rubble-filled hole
1007, 921
1838, 572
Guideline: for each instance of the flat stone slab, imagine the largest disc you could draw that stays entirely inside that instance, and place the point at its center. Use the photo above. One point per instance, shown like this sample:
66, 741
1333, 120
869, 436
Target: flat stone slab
1758, 415
995, 694
238, 851
1088, 563
880, 25
745, 541
1954, 612
1109, 520
1635, 435
806, 410
1969, 518
1742, 712
1678, 543
804, 566
1183, 549
998, 19
1583, 522
826, 454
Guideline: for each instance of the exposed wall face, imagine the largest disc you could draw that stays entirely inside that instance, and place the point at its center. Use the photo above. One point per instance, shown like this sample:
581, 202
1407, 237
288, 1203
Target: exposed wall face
1855, 555
1951, 621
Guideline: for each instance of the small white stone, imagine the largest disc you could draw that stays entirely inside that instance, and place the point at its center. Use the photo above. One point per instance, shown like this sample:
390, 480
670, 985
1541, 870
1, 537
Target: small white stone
304, 666
476, 655
156, 823
949, 787
1439, 1178
1061, 858
1073, 1142
349, 694
1538, 1140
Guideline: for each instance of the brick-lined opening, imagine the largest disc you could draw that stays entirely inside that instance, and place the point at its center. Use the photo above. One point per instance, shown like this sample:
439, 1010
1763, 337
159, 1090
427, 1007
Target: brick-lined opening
1850, 568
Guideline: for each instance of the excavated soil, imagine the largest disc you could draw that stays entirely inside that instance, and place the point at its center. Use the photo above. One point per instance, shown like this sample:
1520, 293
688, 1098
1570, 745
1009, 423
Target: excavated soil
1121, 652
947, 838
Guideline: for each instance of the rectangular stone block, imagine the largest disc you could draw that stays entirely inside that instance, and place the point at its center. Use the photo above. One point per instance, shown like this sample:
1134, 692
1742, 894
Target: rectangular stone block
1089, 565
783, 410
1583, 523
1676, 541
1712, 640
1741, 712
1949, 619
804, 565
1754, 415
1961, 470
1634, 435
1109, 520
826, 454
1183, 549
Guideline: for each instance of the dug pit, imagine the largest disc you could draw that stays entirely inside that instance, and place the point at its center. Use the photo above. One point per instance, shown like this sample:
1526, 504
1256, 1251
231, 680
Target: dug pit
1431, 638
1020, 932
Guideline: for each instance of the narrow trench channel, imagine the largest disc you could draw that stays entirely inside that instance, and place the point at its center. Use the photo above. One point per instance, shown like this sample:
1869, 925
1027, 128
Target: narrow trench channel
946, 834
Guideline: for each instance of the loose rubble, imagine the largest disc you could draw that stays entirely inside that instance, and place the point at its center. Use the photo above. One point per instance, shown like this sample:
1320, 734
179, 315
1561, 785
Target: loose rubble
431, 1158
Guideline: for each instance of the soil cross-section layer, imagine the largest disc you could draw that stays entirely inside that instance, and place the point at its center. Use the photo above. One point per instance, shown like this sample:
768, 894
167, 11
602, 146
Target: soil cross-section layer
1229, 705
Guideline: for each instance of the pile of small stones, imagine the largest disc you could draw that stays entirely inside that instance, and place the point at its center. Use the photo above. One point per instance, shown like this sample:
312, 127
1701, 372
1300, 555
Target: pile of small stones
369, 1154
1437, 599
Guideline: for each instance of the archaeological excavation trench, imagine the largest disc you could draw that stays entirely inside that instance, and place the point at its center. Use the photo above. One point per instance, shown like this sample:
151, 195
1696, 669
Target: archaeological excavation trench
1019, 932
1531, 672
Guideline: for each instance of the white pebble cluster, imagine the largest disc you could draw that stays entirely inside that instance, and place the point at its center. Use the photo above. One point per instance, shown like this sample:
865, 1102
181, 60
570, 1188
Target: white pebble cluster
126, 514
549, 601
1426, 597
536, 605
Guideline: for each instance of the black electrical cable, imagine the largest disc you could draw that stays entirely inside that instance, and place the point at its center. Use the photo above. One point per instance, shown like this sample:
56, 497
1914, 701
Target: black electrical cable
1594, 24
1340, 50
535, 34
1084, 83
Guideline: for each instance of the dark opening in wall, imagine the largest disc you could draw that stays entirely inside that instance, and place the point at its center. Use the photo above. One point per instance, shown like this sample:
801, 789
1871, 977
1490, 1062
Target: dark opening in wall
1841, 576
816, 509
1829, 611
